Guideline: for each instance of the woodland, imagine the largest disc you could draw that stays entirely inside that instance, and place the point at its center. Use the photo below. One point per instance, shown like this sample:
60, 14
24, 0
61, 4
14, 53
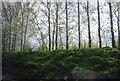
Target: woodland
60, 40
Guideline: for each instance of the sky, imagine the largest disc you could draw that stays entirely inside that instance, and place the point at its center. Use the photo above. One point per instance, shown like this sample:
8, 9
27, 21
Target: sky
56, 0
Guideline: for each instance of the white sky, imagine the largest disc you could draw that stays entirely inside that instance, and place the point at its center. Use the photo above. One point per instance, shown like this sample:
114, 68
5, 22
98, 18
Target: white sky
55, 0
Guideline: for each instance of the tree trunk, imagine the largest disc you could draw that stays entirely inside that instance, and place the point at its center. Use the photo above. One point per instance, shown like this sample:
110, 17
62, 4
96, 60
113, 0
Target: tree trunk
56, 40
24, 43
53, 34
15, 38
111, 22
10, 32
48, 4
25, 32
22, 24
118, 25
79, 26
99, 34
66, 27
89, 34
3, 39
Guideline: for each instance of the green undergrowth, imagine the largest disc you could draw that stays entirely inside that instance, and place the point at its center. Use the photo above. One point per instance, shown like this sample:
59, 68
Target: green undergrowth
57, 64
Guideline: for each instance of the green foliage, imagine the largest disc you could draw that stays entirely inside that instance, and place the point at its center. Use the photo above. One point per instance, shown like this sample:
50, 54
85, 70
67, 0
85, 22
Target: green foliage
61, 63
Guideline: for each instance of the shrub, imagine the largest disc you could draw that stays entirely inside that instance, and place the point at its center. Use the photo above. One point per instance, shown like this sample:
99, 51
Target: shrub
61, 63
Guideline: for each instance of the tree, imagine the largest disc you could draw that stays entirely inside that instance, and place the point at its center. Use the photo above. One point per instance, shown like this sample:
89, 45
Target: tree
99, 29
9, 30
111, 22
48, 6
88, 19
26, 25
4, 13
53, 34
16, 16
79, 26
118, 22
22, 26
66, 26
56, 40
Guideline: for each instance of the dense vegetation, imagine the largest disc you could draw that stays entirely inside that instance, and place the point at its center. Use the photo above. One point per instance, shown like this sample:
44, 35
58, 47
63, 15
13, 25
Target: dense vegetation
52, 28
83, 63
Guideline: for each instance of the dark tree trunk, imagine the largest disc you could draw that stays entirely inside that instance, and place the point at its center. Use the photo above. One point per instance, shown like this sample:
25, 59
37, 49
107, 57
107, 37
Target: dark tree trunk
118, 25
10, 32
79, 26
66, 27
111, 22
22, 24
48, 4
89, 34
99, 34
56, 40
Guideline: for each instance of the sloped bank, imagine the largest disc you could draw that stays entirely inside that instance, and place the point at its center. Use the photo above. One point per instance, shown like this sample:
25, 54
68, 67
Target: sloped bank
63, 64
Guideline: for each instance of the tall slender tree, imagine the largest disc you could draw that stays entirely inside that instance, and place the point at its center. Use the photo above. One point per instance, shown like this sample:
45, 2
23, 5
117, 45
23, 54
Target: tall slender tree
48, 6
118, 25
53, 34
111, 22
79, 26
26, 26
99, 29
88, 19
56, 40
67, 47
22, 24
4, 15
